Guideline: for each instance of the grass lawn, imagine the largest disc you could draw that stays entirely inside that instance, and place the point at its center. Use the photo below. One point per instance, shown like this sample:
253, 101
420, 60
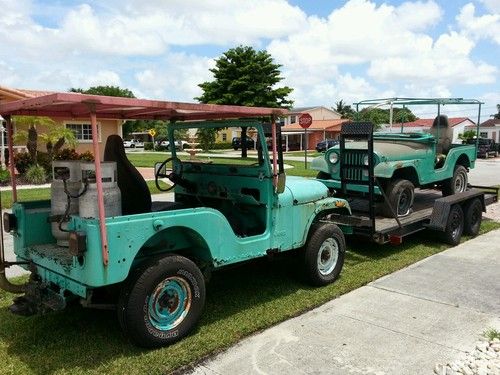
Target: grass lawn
44, 193
149, 160
301, 153
240, 301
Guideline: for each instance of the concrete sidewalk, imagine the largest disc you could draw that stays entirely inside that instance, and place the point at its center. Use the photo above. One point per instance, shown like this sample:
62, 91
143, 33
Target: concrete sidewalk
403, 323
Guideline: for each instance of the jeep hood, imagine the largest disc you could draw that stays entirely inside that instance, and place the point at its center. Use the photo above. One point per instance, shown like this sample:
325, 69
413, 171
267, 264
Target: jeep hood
390, 150
303, 190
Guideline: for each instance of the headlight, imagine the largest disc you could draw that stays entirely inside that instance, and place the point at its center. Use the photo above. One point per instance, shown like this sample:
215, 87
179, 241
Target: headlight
333, 157
366, 160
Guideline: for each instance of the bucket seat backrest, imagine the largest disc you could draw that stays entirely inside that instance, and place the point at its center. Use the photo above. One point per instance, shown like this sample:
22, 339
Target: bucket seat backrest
443, 133
136, 197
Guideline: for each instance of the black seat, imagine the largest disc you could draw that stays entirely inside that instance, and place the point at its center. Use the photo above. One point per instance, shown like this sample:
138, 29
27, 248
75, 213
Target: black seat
136, 197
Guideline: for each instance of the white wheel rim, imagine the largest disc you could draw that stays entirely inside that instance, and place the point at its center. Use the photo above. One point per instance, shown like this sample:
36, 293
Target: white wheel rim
328, 256
460, 183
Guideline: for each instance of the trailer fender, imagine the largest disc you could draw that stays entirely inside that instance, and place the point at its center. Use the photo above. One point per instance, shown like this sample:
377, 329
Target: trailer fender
442, 206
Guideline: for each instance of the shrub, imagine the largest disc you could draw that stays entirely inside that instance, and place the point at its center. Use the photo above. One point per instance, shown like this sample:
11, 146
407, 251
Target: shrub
36, 175
87, 156
4, 175
148, 146
45, 160
67, 154
222, 145
22, 161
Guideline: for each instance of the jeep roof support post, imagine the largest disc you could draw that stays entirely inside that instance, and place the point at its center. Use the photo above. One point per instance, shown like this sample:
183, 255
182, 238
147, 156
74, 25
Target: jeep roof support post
275, 153
100, 196
477, 126
11, 158
5, 284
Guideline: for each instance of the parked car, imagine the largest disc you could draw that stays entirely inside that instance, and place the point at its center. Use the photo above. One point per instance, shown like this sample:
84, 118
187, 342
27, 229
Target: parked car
133, 143
326, 144
179, 144
129, 143
236, 143
486, 147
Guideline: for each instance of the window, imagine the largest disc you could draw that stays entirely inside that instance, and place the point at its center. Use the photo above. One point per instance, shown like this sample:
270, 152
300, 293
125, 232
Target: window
224, 137
483, 135
293, 119
83, 131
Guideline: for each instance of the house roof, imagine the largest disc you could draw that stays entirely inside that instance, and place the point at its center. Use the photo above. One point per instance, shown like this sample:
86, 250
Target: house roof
74, 105
298, 110
492, 122
16, 94
427, 122
318, 125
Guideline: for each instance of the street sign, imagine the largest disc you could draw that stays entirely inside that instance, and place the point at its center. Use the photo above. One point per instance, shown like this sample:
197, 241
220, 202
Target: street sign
305, 120
152, 132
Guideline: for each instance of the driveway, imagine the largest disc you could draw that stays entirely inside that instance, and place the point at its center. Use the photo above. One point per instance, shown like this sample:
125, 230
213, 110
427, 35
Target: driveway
404, 323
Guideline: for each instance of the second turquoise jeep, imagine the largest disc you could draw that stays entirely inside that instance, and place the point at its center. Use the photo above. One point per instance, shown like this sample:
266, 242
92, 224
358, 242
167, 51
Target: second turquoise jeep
403, 161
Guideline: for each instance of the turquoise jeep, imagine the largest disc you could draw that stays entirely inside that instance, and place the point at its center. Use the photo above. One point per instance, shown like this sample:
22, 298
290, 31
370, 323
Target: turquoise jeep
226, 211
402, 162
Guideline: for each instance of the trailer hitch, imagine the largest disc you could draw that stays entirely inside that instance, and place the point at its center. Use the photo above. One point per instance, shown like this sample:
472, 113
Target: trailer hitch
39, 299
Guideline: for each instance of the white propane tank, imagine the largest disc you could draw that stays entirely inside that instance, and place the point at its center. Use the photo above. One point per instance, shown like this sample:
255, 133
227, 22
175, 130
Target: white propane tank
88, 207
68, 170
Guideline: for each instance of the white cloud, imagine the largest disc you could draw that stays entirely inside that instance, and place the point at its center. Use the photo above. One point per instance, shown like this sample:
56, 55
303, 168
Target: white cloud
480, 27
175, 78
492, 6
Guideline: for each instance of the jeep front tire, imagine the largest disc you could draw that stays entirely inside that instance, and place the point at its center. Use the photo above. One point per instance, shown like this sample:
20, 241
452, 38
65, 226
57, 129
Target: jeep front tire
400, 194
324, 254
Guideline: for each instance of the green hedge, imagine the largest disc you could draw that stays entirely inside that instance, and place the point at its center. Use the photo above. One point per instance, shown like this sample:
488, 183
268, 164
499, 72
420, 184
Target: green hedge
148, 146
221, 145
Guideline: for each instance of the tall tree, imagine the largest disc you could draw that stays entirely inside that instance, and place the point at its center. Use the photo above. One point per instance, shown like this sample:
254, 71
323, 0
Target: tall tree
497, 116
105, 90
244, 76
344, 110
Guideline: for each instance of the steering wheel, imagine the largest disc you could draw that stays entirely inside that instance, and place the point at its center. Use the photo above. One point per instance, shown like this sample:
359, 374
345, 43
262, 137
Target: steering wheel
174, 174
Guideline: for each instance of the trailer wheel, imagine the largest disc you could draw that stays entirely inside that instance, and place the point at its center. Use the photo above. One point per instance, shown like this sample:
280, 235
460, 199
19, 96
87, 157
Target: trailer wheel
473, 215
400, 194
162, 302
454, 226
456, 184
324, 254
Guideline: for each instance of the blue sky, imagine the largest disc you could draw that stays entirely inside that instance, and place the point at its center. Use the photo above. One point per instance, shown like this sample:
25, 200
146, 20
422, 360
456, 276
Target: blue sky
329, 50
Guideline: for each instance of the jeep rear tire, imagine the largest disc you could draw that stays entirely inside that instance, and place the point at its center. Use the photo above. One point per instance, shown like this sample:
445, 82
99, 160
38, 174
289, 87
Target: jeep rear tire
324, 254
456, 184
162, 301
400, 195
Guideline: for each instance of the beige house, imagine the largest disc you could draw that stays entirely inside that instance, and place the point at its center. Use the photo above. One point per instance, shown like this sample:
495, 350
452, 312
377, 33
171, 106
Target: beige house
316, 112
80, 126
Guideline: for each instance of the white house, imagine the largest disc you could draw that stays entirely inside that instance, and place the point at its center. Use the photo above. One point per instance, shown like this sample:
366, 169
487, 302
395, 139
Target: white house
489, 129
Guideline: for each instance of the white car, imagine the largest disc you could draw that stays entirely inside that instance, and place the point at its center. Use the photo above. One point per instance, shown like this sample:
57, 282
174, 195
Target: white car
129, 144
179, 144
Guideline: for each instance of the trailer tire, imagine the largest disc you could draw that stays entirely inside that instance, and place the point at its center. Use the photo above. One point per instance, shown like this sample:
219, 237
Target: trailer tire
162, 301
400, 194
454, 226
473, 215
456, 184
324, 254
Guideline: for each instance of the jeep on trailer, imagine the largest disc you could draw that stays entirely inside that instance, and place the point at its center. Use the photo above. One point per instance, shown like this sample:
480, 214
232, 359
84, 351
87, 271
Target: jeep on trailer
110, 236
402, 161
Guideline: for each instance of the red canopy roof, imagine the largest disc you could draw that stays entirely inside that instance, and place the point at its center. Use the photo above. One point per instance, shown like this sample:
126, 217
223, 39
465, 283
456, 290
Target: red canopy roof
73, 105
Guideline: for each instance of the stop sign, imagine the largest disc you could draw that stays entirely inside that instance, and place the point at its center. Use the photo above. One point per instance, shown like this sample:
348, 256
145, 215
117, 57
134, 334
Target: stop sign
305, 120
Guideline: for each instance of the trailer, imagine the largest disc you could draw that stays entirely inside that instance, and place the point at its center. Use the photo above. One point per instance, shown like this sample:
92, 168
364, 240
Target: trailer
450, 215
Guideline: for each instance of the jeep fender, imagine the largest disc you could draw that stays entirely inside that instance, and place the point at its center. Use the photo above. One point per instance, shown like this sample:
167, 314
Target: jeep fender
319, 164
391, 168
324, 207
